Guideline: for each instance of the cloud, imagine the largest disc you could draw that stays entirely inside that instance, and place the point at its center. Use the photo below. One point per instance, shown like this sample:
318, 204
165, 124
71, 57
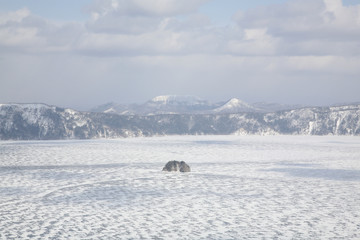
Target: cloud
120, 28
154, 8
299, 51
137, 16
113, 24
16, 29
23, 32
15, 16
255, 41
310, 27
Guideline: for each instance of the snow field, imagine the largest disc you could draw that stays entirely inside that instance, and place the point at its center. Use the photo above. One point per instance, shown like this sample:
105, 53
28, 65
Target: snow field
240, 187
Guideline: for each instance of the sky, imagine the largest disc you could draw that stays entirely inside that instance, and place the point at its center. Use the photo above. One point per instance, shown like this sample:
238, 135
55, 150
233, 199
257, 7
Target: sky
84, 53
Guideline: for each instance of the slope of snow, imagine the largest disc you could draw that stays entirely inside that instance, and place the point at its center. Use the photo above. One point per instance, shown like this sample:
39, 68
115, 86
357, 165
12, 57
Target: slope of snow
273, 187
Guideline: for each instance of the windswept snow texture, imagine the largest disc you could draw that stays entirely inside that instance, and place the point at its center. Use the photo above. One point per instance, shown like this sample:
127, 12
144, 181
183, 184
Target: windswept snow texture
240, 187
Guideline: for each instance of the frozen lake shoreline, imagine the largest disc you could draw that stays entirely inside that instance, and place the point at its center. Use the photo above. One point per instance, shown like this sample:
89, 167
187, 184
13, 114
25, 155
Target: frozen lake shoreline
240, 187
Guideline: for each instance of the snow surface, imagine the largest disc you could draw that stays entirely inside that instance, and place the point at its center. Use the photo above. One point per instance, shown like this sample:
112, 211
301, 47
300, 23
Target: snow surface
240, 187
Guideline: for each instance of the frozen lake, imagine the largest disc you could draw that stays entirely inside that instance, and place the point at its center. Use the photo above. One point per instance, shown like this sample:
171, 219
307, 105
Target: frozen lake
240, 187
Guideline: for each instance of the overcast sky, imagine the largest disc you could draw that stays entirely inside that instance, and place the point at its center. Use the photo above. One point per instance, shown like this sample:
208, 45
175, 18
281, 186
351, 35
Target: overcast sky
85, 53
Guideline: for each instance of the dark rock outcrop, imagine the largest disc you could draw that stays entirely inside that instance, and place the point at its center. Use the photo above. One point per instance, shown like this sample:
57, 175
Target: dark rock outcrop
176, 166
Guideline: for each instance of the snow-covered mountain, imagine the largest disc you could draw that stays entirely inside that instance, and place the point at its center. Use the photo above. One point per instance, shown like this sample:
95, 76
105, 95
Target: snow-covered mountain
173, 104
177, 100
40, 121
116, 108
235, 105
167, 104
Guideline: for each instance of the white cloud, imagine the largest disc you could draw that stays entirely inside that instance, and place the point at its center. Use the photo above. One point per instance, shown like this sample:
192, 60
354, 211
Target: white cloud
163, 8
308, 27
19, 36
136, 16
16, 16
23, 32
14, 33
254, 42
113, 24
123, 27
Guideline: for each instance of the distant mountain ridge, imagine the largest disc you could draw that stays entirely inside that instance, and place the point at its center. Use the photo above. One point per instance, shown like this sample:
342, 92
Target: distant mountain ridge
174, 104
42, 122
178, 100
235, 105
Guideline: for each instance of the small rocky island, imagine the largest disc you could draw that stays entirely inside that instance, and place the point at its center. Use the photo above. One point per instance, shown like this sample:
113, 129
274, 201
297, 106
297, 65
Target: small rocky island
174, 166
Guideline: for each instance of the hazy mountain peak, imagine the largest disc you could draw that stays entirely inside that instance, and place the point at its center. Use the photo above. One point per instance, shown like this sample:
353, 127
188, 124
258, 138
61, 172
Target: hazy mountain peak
235, 105
235, 102
188, 104
184, 99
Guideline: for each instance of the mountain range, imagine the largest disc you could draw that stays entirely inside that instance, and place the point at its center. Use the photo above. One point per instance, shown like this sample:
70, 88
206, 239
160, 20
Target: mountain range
166, 115
173, 104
